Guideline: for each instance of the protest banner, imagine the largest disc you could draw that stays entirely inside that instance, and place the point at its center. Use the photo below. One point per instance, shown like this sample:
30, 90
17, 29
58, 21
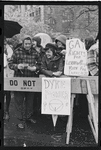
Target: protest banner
56, 96
76, 58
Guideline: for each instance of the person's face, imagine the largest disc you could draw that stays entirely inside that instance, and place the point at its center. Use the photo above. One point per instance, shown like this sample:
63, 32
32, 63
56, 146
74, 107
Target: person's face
49, 53
27, 44
59, 44
34, 43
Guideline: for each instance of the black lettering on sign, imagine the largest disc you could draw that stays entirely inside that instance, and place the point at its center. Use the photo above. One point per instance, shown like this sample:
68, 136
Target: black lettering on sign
15, 82
29, 83
33, 83
24, 82
11, 82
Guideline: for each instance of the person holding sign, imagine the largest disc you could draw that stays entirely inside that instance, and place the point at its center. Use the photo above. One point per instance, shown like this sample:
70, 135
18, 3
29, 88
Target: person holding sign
24, 63
52, 65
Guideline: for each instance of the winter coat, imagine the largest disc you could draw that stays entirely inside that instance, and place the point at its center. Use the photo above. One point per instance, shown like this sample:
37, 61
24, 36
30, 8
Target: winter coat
49, 66
40, 56
20, 55
92, 59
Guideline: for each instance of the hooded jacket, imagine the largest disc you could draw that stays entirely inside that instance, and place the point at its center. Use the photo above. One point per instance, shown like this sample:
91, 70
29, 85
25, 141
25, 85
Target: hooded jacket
49, 66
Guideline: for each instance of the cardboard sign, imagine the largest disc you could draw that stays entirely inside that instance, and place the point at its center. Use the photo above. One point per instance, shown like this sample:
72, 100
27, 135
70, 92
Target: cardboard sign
56, 96
76, 58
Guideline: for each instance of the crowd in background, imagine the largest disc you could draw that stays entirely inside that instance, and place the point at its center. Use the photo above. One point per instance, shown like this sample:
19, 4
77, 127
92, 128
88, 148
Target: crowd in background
30, 59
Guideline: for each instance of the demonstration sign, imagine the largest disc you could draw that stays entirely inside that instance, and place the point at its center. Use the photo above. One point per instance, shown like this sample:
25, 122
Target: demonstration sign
76, 58
56, 96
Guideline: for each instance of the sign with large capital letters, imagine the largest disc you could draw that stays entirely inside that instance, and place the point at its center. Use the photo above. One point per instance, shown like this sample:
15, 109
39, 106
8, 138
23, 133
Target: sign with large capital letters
76, 58
56, 94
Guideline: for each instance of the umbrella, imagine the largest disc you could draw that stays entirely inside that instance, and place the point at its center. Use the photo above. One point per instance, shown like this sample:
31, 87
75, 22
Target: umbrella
11, 28
45, 38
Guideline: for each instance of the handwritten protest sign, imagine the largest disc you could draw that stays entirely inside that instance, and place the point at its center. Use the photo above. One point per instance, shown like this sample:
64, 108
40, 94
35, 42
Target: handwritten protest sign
76, 58
56, 96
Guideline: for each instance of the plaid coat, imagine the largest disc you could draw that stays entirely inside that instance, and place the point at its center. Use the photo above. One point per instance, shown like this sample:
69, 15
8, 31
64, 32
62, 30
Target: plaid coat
92, 60
20, 55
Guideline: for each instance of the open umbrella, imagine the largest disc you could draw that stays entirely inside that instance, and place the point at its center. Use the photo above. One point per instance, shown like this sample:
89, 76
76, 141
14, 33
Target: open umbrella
11, 28
45, 38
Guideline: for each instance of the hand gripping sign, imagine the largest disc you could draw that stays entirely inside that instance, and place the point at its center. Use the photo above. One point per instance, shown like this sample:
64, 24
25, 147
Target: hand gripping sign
76, 58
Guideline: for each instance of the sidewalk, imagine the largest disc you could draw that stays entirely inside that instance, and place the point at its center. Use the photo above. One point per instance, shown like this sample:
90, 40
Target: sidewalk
43, 134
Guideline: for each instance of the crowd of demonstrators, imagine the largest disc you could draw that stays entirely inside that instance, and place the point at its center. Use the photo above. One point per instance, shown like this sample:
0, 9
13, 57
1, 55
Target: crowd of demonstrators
30, 59
7, 73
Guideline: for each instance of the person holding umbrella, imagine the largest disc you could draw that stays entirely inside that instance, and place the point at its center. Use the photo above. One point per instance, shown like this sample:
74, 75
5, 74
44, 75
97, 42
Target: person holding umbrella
24, 64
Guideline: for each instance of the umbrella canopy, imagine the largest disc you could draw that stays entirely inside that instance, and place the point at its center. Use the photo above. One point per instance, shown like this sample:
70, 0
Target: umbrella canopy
45, 38
11, 28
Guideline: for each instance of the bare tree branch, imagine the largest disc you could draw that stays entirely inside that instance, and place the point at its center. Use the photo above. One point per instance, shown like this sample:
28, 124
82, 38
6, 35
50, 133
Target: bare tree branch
85, 11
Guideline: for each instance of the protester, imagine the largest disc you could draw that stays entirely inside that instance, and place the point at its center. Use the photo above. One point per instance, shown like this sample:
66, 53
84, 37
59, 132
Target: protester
92, 56
7, 73
24, 64
52, 65
61, 44
92, 47
36, 45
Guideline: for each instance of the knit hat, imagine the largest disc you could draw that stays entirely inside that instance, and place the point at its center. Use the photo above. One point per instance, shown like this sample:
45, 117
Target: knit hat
51, 46
62, 39
37, 39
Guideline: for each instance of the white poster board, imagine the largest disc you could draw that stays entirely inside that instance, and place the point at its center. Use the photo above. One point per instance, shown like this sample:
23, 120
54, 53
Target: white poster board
56, 94
76, 58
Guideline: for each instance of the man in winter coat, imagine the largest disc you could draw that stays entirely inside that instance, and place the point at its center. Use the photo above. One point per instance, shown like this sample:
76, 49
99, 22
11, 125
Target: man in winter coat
52, 65
24, 64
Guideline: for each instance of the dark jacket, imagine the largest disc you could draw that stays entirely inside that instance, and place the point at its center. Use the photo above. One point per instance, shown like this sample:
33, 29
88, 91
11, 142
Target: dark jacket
39, 60
58, 52
20, 55
50, 66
